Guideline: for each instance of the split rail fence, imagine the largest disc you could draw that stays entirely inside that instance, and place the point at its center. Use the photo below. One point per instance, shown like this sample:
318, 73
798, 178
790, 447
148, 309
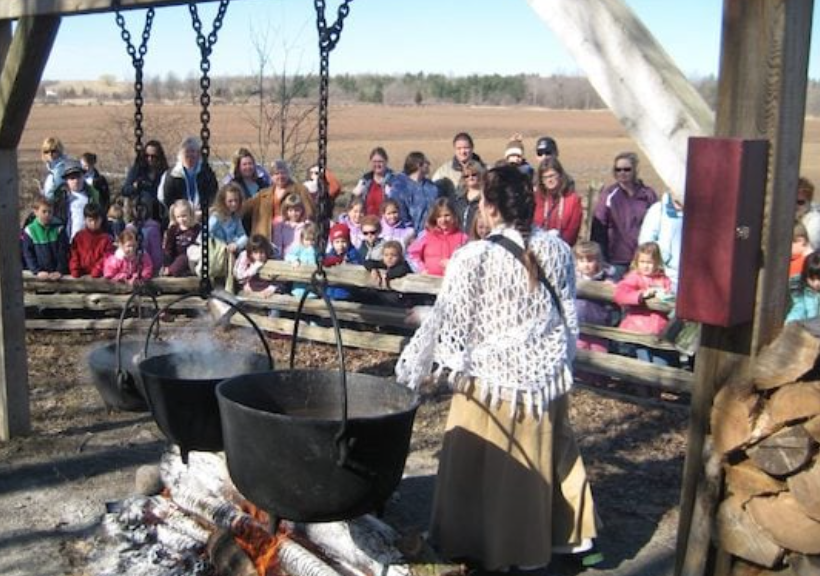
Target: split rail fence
66, 304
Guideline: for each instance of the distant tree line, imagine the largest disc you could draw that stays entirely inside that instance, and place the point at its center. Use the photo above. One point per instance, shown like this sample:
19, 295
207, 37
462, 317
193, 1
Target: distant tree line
557, 91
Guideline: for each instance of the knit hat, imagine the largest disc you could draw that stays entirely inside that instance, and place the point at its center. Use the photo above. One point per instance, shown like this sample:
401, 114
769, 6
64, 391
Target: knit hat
514, 147
72, 167
339, 230
546, 146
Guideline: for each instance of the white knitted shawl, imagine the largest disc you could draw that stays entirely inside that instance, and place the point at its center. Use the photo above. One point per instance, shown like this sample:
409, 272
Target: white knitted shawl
488, 324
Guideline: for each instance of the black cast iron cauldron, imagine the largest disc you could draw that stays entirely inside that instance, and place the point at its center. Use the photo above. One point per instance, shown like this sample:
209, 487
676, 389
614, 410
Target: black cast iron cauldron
114, 366
114, 373
285, 451
179, 387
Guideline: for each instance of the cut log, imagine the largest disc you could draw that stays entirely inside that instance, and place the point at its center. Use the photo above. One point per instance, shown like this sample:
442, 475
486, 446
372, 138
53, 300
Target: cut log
783, 452
733, 417
794, 402
365, 542
227, 556
805, 487
812, 427
746, 480
791, 355
804, 565
783, 519
739, 534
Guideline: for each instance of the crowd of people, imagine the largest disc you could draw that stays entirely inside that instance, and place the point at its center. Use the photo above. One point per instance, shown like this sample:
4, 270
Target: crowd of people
395, 222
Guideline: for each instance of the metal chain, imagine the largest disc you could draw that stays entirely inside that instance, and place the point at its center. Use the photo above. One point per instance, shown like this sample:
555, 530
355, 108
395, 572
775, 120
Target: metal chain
328, 38
138, 62
206, 46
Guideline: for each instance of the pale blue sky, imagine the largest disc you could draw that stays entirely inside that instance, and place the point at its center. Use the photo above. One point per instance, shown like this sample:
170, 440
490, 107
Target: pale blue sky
455, 37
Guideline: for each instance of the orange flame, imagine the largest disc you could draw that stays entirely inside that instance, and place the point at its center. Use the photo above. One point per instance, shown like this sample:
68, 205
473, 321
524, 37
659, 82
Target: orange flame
260, 545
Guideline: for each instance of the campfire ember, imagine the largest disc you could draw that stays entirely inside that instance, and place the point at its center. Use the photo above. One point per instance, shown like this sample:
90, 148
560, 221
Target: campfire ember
200, 525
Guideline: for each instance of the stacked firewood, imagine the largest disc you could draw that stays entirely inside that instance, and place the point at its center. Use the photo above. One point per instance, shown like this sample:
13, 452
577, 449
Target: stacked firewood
766, 433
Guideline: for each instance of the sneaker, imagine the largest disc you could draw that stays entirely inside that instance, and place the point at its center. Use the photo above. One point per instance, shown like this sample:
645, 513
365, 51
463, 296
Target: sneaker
591, 557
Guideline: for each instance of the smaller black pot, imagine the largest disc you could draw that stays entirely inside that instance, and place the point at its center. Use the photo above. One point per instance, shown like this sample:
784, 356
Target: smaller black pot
121, 390
180, 389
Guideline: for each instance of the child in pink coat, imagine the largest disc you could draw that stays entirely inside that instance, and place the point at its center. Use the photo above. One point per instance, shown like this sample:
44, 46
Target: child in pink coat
431, 252
645, 280
124, 265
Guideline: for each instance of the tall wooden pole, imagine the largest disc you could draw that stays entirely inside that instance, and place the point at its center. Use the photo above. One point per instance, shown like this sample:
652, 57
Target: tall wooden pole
761, 94
22, 69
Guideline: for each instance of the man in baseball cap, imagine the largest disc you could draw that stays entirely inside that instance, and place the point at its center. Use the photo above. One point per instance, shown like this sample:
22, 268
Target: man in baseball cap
546, 146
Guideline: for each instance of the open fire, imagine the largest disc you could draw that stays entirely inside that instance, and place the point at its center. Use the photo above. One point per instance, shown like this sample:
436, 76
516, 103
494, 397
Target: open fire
200, 525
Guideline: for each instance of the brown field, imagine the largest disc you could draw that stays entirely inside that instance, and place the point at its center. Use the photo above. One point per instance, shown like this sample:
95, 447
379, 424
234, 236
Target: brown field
588, 140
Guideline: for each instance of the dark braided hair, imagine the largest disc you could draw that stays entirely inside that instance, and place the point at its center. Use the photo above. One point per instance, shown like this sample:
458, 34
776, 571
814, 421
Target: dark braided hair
510, 191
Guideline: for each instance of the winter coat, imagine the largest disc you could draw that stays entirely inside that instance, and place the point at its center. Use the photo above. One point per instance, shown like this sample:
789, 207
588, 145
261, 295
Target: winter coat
141, 186
563, 214
663, 223
176, 242
465, 209
805, 304
151, 241
120, 269
262, 180
617, 220
228, 231
246, 272
286, 235
595, 311
428, 252
68, 207
448, 176
414, 198
401, 232
262, 211
332, 258
362, 189
637, 316
176, 185
88, 252
45, 248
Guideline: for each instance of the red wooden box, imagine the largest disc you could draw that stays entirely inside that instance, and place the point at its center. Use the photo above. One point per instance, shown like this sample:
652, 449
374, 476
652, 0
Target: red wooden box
723, 217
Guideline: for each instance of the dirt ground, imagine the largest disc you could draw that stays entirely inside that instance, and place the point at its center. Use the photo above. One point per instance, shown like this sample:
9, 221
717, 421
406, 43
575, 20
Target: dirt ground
55, 482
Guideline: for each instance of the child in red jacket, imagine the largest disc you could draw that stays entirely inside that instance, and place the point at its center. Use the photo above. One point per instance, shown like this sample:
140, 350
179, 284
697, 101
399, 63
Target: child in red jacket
90, 245
125, 265
431, 252
645, 280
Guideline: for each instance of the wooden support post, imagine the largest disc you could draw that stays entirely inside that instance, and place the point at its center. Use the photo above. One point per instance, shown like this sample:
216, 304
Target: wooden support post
761, 94
14, 399
657, 106
22, 72
22, 69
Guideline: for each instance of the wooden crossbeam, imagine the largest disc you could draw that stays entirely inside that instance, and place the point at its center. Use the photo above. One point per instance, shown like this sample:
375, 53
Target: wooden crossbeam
11, 10
22, 70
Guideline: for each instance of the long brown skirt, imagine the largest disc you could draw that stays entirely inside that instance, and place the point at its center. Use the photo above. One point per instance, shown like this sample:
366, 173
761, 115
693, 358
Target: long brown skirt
509, 488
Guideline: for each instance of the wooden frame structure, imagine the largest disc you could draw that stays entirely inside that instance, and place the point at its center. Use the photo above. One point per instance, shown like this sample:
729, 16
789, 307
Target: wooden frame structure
762, 88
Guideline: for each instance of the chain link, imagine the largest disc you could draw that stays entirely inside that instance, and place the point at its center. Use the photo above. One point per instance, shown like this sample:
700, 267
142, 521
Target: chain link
206, 46
138, 62
328, 38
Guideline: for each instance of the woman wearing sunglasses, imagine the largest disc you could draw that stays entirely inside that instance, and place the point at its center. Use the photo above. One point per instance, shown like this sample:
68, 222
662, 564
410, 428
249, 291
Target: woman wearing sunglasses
619, 212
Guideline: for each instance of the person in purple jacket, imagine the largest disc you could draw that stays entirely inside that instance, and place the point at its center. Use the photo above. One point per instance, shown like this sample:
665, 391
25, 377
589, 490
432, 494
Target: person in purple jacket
619, 213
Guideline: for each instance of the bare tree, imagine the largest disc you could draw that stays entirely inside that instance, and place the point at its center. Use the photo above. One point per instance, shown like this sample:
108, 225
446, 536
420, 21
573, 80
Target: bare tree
285, 116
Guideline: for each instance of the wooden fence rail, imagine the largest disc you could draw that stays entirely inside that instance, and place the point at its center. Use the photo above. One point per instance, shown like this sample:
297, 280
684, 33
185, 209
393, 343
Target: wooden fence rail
377, 327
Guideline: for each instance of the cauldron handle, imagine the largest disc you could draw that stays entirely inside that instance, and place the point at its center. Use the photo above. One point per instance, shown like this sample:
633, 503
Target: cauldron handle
317, 285
121, 376
205, 296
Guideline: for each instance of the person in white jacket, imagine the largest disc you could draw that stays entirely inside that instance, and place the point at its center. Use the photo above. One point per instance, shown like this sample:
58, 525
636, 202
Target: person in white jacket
663, 224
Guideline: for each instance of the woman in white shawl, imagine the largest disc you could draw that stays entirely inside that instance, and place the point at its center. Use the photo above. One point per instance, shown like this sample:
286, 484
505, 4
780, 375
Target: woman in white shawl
511, 487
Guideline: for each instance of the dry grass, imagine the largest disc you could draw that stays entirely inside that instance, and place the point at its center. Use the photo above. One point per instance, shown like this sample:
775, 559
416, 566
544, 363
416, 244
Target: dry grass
588, 140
